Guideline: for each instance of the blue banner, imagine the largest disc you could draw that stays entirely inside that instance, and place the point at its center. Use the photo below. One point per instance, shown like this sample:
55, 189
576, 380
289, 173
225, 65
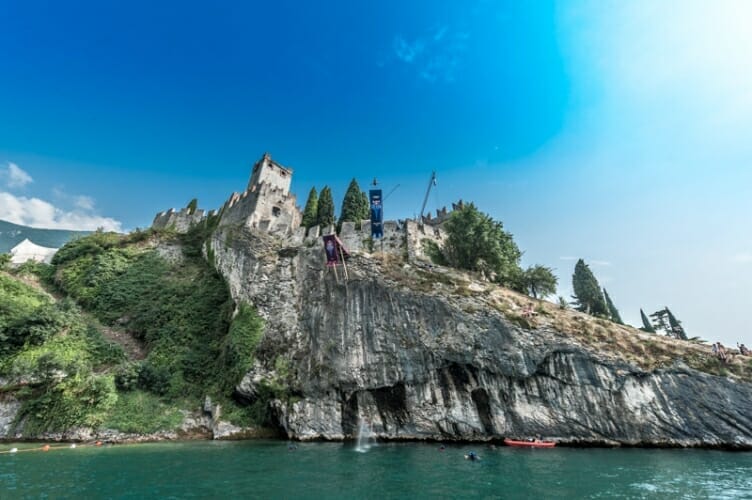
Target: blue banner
377, 214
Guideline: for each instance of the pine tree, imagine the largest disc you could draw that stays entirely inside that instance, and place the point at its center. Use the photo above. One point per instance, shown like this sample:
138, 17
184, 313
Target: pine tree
612, 310
311, 209
192, 206
539, 281
355, 205
646, 325
325, 209
587, 291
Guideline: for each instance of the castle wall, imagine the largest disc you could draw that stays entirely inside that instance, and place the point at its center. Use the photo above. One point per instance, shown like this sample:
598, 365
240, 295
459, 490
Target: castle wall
238, 207
403, 238
178, 221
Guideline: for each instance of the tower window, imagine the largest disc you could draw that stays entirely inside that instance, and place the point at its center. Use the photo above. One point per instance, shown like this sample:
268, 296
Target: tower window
276, 211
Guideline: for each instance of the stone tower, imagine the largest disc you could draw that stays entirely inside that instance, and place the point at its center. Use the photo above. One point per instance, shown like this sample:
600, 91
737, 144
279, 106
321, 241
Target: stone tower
269, 172
267, 202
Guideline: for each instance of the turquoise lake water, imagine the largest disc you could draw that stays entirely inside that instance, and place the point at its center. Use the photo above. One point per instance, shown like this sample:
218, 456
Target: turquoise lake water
266, 469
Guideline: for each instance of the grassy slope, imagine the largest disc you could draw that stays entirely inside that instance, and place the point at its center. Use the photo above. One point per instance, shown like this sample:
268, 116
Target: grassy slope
180, 309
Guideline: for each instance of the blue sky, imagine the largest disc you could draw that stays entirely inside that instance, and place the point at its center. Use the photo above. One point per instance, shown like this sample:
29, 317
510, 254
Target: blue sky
612, 131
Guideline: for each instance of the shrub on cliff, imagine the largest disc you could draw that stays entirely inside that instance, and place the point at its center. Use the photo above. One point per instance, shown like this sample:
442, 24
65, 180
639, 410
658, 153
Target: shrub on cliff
477, 242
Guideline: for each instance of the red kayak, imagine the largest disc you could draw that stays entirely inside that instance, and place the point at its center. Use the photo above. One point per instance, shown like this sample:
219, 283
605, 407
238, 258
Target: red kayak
529, 444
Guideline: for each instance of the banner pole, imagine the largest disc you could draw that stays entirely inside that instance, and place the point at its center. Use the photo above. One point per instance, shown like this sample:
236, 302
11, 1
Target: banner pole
344, 266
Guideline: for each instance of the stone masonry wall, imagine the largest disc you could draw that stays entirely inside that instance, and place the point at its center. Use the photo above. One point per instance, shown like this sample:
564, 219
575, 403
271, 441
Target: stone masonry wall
179, 221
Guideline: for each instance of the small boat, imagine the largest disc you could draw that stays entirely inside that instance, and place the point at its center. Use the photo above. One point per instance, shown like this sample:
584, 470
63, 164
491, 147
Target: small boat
536, 443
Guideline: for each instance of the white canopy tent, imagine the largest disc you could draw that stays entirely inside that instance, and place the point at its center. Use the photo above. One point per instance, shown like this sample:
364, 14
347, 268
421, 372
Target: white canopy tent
26, 251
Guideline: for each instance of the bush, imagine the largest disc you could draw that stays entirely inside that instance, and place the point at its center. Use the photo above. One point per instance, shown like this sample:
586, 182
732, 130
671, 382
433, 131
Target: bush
143, 413
127, 376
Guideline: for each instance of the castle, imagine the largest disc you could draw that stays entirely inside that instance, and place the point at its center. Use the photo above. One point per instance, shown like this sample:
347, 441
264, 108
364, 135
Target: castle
268, 205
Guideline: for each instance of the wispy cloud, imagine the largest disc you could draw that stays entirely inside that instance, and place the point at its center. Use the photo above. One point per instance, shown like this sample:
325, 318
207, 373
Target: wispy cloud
436, 54
15, 176
408, 51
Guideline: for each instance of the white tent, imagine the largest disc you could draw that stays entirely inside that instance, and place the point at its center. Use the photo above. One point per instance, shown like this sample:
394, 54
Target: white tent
26, 251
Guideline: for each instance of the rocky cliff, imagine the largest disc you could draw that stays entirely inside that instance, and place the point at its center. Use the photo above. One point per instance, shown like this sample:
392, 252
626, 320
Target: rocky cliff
422, 352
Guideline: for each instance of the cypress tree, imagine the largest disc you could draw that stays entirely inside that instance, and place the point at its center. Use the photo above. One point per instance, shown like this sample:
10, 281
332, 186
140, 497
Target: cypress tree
325, 209
587, 291
311, 209
192, 206
355, 205
676, 329
646, 325
613, 311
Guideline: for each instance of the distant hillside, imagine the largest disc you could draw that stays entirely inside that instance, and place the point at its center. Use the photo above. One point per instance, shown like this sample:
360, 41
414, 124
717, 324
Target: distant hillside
13, 234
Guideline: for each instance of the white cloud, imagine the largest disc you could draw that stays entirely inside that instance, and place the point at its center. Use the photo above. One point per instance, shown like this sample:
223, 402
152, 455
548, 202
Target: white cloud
38, 213
15, 176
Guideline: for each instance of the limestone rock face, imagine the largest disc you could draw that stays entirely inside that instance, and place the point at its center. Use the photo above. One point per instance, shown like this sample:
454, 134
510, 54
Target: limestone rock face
419, 363
8, 409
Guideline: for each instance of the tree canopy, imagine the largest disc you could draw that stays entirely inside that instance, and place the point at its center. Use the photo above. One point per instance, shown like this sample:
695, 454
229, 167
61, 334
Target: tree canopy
587, 291
311, 209
477, 242
355, 205
539, 281
325, 208
192, 206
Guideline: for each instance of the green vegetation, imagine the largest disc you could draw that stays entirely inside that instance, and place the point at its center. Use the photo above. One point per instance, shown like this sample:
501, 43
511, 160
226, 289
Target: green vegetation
476, 242
67, 374
192, 206
433, 251
4, 261
143, 413
55, 360
587, 291
355, 205
325, 208
539, 281
181, 311
310, 213
613, 312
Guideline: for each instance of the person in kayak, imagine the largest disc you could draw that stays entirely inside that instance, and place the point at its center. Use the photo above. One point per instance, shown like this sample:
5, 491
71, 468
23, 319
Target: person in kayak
472, 456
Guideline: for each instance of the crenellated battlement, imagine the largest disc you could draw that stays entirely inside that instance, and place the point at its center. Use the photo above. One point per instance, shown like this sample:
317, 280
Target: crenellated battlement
180, 220
268, 205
